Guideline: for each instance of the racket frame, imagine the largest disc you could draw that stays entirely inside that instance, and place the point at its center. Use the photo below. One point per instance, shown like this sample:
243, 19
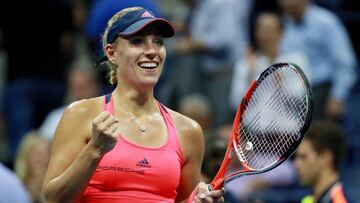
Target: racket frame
220, 177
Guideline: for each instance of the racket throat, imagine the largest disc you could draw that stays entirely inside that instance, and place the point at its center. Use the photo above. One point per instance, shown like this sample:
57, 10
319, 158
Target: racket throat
218, 181
217, 184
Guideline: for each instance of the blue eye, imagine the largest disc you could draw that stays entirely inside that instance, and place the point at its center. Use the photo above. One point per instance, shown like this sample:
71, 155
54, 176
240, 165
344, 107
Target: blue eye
136, 41
159, 42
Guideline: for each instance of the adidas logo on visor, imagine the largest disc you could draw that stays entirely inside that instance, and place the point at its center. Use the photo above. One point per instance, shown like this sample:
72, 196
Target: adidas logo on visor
147, 15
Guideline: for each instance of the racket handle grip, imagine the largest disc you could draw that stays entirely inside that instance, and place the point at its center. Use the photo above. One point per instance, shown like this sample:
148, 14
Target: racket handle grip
210, 187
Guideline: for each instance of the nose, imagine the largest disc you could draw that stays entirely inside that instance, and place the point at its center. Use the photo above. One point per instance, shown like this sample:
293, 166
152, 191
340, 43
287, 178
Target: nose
150, 50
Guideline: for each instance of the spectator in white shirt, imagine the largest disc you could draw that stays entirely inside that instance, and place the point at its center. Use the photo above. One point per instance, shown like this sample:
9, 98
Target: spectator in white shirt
12, 190
268, 34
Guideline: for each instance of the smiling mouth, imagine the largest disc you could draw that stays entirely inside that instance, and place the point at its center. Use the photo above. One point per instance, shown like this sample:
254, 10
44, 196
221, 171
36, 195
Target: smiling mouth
148, 65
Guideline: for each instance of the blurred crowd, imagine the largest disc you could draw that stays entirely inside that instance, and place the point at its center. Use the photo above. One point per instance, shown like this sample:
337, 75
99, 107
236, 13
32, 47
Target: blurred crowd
48, 49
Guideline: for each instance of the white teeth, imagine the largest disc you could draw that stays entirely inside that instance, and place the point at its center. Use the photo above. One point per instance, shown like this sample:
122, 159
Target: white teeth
148, 65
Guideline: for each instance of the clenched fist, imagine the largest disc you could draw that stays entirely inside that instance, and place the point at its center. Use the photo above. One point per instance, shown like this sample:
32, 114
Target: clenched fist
105, 132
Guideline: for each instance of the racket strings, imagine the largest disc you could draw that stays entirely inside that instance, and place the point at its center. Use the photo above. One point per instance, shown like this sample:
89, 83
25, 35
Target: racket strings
282, 115
273, 118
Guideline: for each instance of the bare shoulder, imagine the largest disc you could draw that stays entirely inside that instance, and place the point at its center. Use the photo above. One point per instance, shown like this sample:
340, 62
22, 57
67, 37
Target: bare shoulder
185, 125
189, 132
78, 117
72, 134
84, 108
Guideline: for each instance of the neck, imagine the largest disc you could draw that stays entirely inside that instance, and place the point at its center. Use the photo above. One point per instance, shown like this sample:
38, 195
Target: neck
326, 178
270, 52
134, 101
299, 17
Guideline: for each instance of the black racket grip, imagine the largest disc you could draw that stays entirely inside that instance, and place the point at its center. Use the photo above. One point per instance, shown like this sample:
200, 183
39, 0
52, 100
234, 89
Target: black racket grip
210, 188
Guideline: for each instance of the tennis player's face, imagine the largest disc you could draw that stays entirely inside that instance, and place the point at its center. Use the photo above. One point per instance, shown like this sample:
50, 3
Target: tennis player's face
308, 163
141, 58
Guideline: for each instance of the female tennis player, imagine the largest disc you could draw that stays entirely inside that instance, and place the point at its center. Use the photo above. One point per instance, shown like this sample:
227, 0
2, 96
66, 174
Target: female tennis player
126, 146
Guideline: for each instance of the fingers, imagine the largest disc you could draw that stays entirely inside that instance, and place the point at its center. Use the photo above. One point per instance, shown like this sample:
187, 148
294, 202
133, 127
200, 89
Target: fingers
106, 131
217, 193
105, 123
202, 190
204, 195
101, 117
111, 129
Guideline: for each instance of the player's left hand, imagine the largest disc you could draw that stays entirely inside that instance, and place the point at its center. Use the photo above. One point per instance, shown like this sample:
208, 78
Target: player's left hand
203, 195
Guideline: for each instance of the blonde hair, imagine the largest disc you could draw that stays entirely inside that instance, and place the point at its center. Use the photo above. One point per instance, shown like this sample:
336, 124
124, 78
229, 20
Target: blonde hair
110, 66
27, 144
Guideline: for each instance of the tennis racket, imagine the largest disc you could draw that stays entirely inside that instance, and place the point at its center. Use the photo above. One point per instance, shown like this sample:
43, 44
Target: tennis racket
270, 122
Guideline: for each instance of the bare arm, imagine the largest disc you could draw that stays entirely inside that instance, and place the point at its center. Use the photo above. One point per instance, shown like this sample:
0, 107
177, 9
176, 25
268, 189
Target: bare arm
78, 145
192, 141
193, 152
191, 137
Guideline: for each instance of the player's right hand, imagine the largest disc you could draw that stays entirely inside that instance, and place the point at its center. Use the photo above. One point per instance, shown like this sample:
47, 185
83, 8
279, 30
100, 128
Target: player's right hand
203, 195
105, 132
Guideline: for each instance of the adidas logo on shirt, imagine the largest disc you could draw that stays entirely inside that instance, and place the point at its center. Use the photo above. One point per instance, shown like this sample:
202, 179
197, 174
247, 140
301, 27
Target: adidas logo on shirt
143, 163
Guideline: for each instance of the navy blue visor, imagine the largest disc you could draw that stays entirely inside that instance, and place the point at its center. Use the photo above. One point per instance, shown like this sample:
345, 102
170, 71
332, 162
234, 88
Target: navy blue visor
133, 22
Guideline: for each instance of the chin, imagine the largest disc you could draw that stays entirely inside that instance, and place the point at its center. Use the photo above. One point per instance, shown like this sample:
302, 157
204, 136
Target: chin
148, 84
151, 81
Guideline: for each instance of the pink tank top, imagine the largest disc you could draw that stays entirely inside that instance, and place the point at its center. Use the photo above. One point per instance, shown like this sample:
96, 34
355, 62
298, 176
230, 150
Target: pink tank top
133, 173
